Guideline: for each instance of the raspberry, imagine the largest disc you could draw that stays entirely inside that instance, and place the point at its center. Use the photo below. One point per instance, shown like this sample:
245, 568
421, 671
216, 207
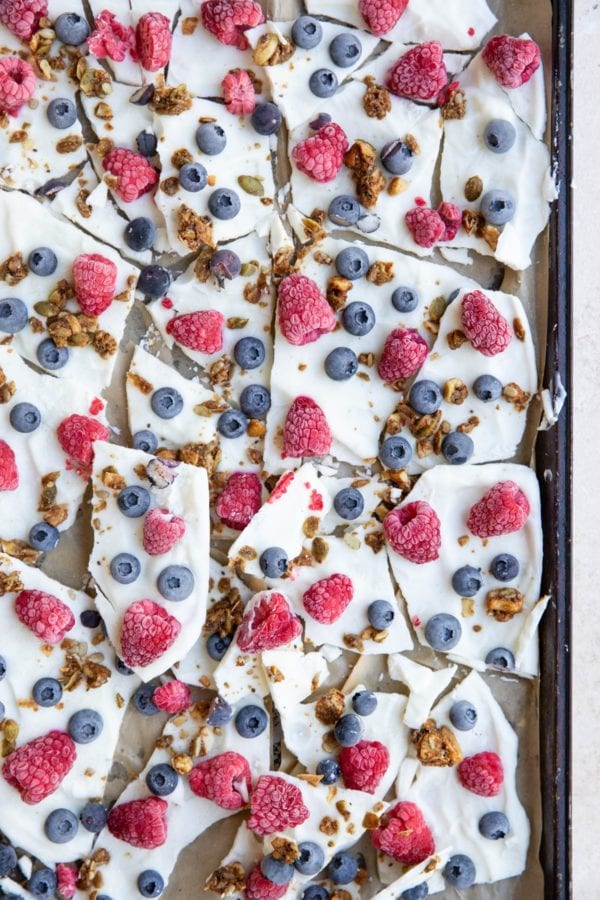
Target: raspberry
303, 312
162, 530
239, 93
503, 509
153, 41
488, 331
9, 474
173, 697
17, 84
413, 531
44, 614
239, 500
67, 880
326, 600
482, 774
225, 779
268, 622
140, 823
381, 15
135, 176
147, 632
512, 61
321, 156
404, 834
306, 432
260, 888
94, 281
403, 354
426, 226
420, 73
202, 330
275, 804
76, 434
37, 769
364, 765
22, 17
111, 38
451, 216
229, 19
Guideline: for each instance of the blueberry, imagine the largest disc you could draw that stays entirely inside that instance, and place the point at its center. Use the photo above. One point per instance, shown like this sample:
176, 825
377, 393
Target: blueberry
364, 703
133, 501
71, 28
13, 315
255, 401
147, 143
224, 203
341, 364
90, 618
47, 692
8, 860
42, 883
249, 353
61, 113
467, 581
175, 583
330, 770
42, 261
321, 121
266, 118
93, 817
380, 614
494, 826
225, 264
313, 892
345, 50
425, 397
487, 388
232, 423
162, 779
220, 712
193, 177
344, 210
251, 721
323, 83
103, 897
358, 318
150, 883
349, 503
154, 281
457, 448
145, 440
125, 568
48, 354
348, 730
216, 646
498, 207
25, 417
352, 263
418, 892
140, 234
123, 669
85, 726
397, 157
143, 702
459, 871
44, 537
500, 658
211, 138
443, 632
405, 299
311, 859
166, 402
307, 32
343, 868
463, 715
505, 567
499, 135
61, 826
395, 452
273, 562
2, 668
276, 870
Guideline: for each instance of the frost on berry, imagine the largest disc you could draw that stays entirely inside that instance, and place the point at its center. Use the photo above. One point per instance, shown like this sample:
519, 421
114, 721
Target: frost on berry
239, 500
140, 823
321, 156
512, 61
173, 697
135, 176
76, 435
488, 330
111, 38
147, 632
238, 93
260, 888
229, 19
67, 880
381, 15
275, 805
17, 84
303, 311
94, 282
44, 614
364, 765
326, 599
36, 769
426, 226
9, 473
502, 510
162, 531
413, 531
153, 41
306, 431
268, 623
201, 330
420, 73
482, 774
225, 779
22, 17
404, 834
403, 354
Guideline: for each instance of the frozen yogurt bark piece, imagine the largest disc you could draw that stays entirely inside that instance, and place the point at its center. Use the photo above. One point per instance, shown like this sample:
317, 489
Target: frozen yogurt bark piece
373, 493
456, 532
424, 872
88, 344
52, 632
424, 684
154, 598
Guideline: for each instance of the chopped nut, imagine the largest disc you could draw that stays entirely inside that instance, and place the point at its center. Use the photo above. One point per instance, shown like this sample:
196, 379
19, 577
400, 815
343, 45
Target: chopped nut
375, 540
171, 101
354, 642
519, 329
473, 188
397, 186
467, 427
142, 384
456, 339
436, 746
327, 825
274, 674
69, 144
193, 230
14, 269
271, 50
104, 344
10, 733
170, 186
370, 821
338, 289
467, 607
225, 615
252, 184
491, 235
376, 101
504, 603
112, 479
330, 707
310, 526
182, 763
285, 850
455, 104
320, 549
455, 391
516, 395
380, 272
10, 582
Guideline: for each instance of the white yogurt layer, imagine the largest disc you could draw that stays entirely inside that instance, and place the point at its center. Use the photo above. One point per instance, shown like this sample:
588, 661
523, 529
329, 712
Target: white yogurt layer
427, 588
26, 225
426, 871
373, 493
424, 684
187, 497
27, 660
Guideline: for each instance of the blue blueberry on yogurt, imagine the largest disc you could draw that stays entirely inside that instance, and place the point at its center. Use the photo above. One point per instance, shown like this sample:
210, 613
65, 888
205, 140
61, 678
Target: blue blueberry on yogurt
307, 32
